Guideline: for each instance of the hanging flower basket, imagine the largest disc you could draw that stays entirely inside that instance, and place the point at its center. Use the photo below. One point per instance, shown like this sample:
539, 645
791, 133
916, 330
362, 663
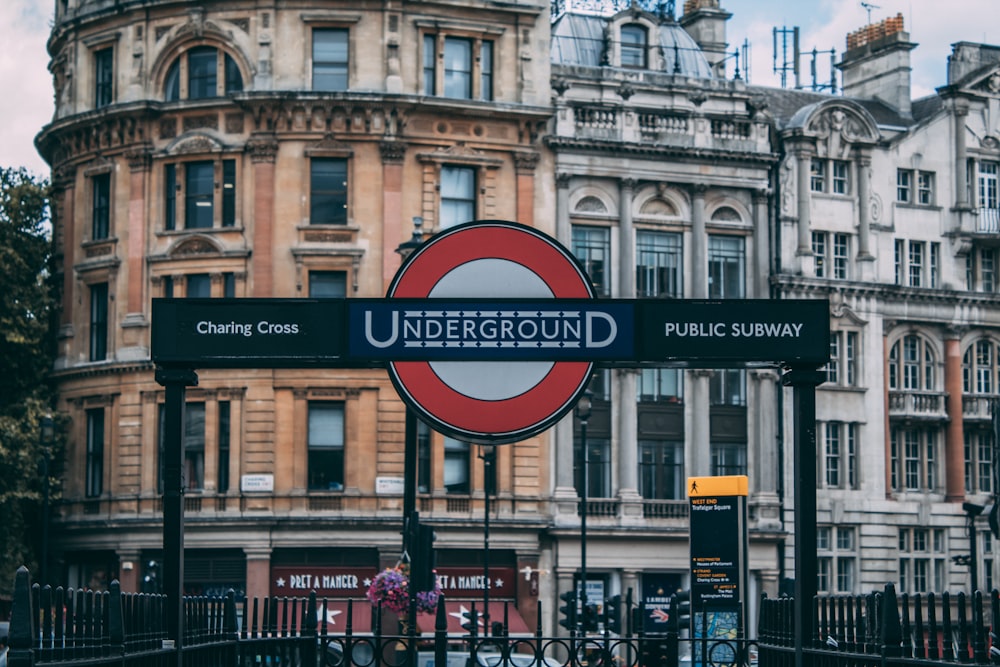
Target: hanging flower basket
391, 589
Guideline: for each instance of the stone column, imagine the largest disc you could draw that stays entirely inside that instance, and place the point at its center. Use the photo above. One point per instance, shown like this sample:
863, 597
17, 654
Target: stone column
395, 230
961, 176
698, 453
762, 244
630, 506
699, 244
263, 154
524, 165
564, 496
129, 569
954, 447
763, 431
864, 208
258, 571
563, 230
804, 164
64, 184
887, 428
140, 162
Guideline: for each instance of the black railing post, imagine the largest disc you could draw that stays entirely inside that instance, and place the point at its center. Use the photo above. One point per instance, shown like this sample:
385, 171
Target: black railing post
891, 637
803, 381
22, 636
116, 620
440, 635
174, 381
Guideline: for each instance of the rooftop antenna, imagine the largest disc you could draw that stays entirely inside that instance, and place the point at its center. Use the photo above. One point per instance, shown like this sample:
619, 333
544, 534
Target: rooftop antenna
868, 8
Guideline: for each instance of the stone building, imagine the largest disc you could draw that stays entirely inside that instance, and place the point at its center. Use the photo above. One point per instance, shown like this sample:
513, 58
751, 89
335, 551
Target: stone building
241, 149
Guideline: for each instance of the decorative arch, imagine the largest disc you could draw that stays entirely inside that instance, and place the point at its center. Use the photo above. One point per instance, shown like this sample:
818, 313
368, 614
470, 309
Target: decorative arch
200, 141
195, 33
836, 126
981, 364
196, 244
593, 201
660, 204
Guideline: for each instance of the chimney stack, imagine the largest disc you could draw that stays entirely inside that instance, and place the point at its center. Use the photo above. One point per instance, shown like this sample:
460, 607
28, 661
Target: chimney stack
705, 21
876, 64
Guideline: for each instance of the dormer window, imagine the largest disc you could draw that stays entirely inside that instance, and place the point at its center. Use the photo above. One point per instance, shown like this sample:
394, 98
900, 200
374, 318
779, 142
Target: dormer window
633, 46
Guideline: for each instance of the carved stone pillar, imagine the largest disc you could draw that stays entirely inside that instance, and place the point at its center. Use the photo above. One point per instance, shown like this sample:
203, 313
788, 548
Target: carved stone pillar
258, 571
263, 154
762, 427
563, 232
762, 244
564, 496
804, 169
954, 446
630, 506
140, 162
698, 453
395, 230
866, 260
699, 244
626, 233
524, 166
961, 177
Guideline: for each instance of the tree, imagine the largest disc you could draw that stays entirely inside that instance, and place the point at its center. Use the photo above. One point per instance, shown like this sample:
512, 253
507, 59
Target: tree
27, 349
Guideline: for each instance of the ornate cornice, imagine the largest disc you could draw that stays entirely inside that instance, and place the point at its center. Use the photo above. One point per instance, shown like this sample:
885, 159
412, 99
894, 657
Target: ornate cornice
262, 148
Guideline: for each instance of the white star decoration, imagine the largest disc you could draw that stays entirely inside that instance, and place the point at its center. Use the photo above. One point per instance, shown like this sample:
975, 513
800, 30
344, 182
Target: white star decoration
281, 582
498, 583
367, 582
331, 615
463, 614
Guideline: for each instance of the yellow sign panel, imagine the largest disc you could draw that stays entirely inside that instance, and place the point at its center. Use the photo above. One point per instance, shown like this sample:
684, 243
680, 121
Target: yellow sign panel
727, 485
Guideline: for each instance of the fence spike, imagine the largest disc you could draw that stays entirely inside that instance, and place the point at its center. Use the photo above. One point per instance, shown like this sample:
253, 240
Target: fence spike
891, 635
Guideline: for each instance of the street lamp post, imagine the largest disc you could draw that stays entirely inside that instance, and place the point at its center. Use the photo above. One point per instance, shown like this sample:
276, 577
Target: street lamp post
46, 432
583, 409
488, 453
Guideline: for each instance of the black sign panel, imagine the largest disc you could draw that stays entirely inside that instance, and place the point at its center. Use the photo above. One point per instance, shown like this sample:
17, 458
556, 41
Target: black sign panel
249, 333
716, 553
260, 333
734, 330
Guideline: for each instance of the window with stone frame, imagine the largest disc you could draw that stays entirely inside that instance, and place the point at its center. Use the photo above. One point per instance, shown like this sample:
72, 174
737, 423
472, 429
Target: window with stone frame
838, 467
659, 264
104, 76
843, 367
458, 195
726, 267
199, 194
330, 53
922, 560
592, 246
837, 558
912, 364
634, 46
915, 458
100, 210
94, 466
325, 446
458, 66
98, 322
328, 190
978, 452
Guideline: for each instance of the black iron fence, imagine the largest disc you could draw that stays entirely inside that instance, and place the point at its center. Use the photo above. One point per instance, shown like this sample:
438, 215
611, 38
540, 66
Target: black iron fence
59, 628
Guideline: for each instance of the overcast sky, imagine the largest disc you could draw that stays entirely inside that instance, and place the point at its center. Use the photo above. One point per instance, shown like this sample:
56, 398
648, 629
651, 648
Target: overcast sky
26, 85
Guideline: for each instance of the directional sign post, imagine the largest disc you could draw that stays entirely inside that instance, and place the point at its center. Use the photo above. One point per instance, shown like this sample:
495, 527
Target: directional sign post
490, 332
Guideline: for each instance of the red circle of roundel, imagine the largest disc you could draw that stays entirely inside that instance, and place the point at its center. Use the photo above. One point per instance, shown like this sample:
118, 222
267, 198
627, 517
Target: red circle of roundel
465, 417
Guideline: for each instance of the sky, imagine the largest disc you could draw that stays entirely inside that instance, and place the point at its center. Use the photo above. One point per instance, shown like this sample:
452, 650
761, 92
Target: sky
26, 95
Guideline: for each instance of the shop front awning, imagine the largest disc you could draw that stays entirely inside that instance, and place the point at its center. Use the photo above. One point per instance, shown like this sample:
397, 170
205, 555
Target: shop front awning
457, 612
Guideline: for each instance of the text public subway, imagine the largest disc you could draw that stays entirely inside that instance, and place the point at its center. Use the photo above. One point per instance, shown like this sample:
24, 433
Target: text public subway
248, 329
733, 329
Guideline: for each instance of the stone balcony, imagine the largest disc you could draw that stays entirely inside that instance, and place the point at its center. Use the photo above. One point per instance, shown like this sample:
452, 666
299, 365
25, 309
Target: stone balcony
918, 405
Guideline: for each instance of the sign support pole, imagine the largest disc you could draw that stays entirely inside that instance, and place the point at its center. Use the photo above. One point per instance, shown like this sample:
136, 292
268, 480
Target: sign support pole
803, 381
174, 380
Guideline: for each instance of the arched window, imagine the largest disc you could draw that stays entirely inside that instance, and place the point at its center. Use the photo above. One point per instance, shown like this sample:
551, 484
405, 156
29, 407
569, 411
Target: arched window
911, 364
980, 374
200, 73
633, 46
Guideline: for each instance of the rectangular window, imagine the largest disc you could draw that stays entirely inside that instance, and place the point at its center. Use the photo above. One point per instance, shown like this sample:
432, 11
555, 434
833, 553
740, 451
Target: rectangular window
228, 285
904, 186
224, 440
727, 386
916, 263
819, 253
423, 456
978, 461
430, 66
835, 547
330, 59
817, 175
914, 459
328, 191
843, 367
726, 267
101, 207
633, 46
987, 269
458, 68
327, 284
326, 446
598, 467
841, 255
170, 197
661, 384
833, 367
486, 71
199, 195
194, 445
95, 453
658, 270
661, 470
851, 357
839, 179
592, 246
729, 458
921, 560
98, 322
899, 247
458, 195
456, 466
104, 82
203, 73
935, 265
228, 193
925, 188
839, 463
198, 286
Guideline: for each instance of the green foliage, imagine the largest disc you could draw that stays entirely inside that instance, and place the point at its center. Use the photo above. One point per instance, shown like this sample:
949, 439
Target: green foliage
27, 348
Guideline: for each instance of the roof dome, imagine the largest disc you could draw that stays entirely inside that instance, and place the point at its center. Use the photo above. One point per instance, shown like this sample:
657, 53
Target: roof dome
579, 39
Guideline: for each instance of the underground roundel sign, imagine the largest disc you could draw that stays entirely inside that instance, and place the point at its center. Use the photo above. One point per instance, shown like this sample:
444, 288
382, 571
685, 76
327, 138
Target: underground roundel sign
493, 402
